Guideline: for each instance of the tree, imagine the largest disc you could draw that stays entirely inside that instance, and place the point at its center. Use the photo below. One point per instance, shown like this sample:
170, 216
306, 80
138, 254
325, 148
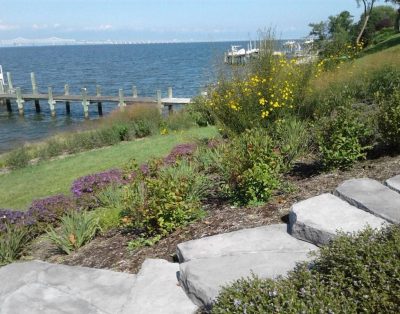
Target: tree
397, 22
368, 6
381, 17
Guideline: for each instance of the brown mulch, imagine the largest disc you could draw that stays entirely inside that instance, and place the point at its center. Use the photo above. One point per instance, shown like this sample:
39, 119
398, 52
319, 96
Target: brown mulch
110, 251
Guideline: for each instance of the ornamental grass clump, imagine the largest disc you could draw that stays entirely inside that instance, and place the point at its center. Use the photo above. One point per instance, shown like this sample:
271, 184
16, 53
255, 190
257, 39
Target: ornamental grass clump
76, 229
359, 273
13, 239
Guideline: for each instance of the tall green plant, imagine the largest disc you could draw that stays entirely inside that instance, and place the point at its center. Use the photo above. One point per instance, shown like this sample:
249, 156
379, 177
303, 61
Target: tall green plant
76, 229
12, 242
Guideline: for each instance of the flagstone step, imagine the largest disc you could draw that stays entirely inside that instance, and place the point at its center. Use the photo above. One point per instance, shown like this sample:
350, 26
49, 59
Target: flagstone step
221, 263
371, 196
42, 288
157, 291
394, 183
318, 219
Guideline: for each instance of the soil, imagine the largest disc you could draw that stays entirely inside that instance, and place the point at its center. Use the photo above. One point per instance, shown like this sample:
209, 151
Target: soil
109, 251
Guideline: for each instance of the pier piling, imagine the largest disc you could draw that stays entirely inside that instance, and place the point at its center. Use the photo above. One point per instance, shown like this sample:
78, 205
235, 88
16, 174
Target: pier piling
121, 103
85, 103
67, 103
159, 103
52, 102
99, 104
134, 91
20, 101
35, 92
10, 83
8, 105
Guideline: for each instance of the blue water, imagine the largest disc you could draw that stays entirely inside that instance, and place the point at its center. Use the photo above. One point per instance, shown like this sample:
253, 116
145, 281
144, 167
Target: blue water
187, 67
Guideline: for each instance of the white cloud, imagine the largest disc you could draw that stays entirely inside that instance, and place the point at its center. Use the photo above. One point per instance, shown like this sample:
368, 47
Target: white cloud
7, 27
103, 27
39, 26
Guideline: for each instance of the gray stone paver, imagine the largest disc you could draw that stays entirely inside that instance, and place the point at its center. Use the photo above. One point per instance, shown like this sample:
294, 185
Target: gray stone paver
371, 196
157, 291
278, 252
318, 219
394, 183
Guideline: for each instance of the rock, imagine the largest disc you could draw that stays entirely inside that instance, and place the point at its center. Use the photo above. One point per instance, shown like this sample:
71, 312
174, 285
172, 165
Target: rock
317, 219
243, 241
394, 183
38, 287
157, 291
276, 254
371, 196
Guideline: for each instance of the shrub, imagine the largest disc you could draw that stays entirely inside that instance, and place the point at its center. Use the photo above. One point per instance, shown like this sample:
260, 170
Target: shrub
389, 120
343, 138
384, 82
76, 229
53, 147
180, 120
200, 112
354, 274
158, 203
12, 241
18, 158
252, 167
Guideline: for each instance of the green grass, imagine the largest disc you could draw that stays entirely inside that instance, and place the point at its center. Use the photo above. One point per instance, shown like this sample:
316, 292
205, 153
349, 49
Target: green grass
20, 187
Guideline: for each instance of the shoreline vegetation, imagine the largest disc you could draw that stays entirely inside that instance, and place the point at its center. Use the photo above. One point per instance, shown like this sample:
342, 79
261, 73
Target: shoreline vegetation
283, 129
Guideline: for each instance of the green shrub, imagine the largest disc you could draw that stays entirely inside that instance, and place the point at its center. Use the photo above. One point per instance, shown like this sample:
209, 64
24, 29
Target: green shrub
252, 167
384, 82
354, 274
343, 138
76, 229
18, 158
141, 242
144, 128
160, 202
389, 120
200, 112
12, 242
180, 120
53, 147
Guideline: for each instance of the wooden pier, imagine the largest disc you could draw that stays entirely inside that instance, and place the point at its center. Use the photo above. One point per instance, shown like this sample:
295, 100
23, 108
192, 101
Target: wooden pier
8, 93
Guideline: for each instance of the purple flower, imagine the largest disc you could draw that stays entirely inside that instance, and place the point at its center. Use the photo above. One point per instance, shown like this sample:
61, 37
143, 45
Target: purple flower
96, 182
51, 209
15, 217
180, 151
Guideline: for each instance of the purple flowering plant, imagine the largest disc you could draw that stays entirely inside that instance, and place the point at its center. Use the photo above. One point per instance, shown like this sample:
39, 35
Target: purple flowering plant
15, 217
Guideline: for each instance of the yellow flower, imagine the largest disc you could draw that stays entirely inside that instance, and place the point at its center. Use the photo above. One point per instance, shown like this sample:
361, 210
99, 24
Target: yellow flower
164, 131
262, 101
264, 114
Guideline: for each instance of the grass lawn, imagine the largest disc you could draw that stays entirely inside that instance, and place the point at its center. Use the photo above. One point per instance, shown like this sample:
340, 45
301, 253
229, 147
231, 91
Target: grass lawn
20, 187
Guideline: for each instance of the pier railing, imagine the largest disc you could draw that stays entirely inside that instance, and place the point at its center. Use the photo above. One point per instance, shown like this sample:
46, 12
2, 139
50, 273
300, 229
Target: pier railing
9, 93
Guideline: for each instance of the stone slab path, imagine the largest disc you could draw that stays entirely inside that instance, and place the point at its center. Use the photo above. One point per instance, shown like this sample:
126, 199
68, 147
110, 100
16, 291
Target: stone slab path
371, 196
205, 264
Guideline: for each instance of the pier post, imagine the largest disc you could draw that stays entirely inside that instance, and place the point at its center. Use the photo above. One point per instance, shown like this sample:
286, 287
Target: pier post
67, 103
8, 105
10, 83
121, 103
85, 103
159, 102
170, 92
35, 91
134, 91
2, 91
99, 105
20, 101
52, 102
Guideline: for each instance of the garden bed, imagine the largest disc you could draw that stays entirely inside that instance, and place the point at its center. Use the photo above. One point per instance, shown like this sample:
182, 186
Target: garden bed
110, 251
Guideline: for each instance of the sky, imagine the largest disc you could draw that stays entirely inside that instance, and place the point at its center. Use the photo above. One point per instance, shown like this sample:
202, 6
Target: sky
164, 20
